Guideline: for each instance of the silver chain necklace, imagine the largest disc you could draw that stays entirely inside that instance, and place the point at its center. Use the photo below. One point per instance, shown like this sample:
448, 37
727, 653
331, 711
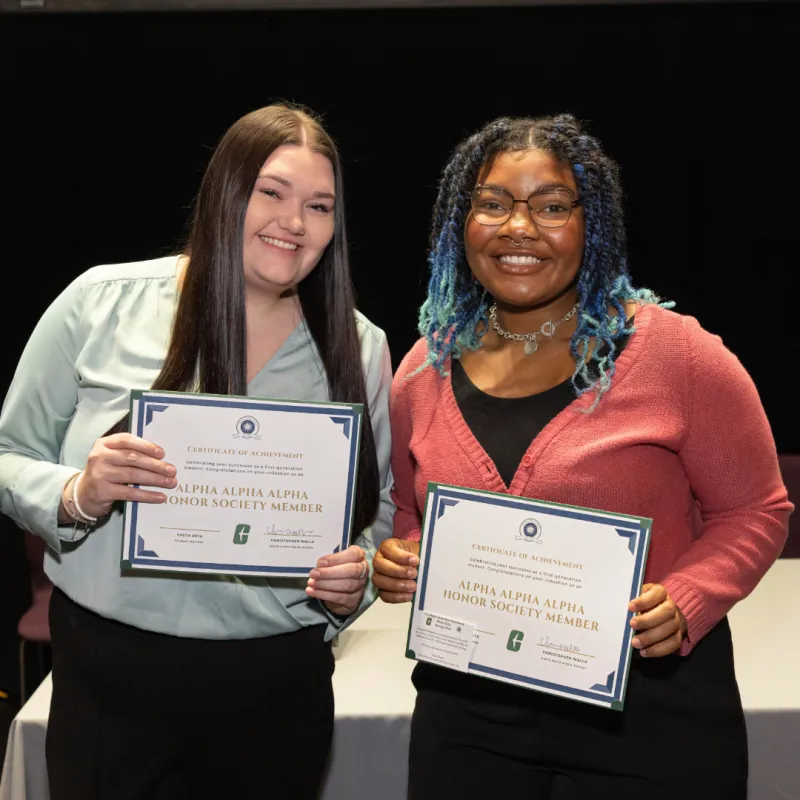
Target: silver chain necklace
531, 345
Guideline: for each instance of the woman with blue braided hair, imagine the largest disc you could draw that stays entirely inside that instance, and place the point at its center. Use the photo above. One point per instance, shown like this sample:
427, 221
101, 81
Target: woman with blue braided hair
543, 372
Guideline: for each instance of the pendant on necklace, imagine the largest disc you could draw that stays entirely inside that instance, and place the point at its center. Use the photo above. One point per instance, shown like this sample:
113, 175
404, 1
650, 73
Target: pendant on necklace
531, 347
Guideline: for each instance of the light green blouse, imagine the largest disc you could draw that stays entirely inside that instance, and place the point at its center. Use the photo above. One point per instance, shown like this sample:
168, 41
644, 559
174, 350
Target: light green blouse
105, 335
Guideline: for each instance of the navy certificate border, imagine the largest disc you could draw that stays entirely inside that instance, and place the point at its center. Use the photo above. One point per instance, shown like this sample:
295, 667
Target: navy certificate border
639, 528
353, 413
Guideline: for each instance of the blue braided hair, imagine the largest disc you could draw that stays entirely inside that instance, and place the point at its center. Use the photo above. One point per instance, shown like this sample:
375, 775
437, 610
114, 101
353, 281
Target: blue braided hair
455, 314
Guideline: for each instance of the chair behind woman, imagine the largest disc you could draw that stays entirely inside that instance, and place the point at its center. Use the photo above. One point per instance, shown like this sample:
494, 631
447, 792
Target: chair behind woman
34, 625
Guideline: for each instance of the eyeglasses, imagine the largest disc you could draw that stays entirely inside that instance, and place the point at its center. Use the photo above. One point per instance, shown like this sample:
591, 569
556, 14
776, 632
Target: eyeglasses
550, 208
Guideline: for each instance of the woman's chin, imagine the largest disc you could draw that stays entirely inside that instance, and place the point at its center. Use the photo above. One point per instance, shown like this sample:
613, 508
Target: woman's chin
273, 282
528, 297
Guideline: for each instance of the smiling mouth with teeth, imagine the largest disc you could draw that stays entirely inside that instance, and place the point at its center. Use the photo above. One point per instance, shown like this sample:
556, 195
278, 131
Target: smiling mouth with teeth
278, 243
520, 259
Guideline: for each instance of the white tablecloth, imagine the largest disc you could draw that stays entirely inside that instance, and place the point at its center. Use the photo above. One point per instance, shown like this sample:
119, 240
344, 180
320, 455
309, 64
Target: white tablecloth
374, 700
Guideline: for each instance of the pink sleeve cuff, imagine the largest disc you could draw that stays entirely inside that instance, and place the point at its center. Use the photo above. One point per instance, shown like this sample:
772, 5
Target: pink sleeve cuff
692, 607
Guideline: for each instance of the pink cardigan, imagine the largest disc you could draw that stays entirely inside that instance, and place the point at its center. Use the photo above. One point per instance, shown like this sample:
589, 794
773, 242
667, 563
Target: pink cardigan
681, 423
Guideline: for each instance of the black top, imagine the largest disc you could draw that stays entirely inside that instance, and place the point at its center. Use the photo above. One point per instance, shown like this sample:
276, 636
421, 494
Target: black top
506, 426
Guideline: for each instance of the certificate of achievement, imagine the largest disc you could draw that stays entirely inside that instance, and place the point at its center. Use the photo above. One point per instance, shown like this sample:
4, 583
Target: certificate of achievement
529, 593
265, 487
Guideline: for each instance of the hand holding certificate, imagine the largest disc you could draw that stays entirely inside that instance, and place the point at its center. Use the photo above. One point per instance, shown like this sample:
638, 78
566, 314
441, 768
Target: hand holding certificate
263, 487
115, 462
530, 593
339, 580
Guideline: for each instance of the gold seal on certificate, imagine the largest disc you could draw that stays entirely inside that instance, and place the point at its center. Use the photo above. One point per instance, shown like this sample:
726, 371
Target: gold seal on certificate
265, 487
530, 593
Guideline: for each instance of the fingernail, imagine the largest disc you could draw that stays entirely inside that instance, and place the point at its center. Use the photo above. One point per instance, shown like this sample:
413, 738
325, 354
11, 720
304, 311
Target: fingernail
633, 623
322, 563
310, 591
311, 582
160, 452
643, 653
412, 573
413, 561
162, 498
313, 574
637, 643
170, 470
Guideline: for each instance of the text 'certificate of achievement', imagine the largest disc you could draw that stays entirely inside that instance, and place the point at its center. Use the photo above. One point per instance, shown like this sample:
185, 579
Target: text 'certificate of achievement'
265, 487
529, 593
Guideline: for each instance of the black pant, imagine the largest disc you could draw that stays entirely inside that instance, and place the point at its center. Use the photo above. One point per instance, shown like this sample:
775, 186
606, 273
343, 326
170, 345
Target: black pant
143, 716
681, 735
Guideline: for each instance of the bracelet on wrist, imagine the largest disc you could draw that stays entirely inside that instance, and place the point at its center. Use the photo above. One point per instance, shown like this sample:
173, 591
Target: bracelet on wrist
73, 508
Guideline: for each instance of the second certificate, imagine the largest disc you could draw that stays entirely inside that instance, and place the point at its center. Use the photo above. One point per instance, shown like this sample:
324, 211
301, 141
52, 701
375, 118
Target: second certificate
528, 592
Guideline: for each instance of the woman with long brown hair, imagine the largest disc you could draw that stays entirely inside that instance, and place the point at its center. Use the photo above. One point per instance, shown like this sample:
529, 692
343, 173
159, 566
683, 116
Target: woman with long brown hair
199, 685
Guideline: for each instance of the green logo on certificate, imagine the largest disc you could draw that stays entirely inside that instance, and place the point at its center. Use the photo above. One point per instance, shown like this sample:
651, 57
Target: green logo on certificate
240, 534
515, 641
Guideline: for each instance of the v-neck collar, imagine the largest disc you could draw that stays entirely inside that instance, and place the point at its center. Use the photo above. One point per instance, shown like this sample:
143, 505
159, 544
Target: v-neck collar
574, 411
286, 345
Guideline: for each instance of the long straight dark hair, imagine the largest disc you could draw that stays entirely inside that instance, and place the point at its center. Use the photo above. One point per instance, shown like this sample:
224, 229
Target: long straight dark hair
208, 349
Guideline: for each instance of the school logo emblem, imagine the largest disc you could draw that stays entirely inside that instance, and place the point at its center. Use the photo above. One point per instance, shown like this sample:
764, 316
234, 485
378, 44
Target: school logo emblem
241, 534
515, 641
247, 428
530, 531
